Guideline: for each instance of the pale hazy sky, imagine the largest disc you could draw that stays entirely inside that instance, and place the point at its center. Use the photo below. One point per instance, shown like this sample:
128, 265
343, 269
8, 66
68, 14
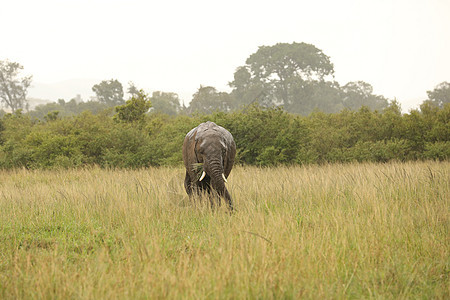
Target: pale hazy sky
400, 47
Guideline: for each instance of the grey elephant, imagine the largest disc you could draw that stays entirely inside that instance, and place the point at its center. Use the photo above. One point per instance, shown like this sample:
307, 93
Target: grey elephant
208, 155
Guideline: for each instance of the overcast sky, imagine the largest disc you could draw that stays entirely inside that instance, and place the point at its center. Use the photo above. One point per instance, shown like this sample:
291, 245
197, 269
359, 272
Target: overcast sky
400, 47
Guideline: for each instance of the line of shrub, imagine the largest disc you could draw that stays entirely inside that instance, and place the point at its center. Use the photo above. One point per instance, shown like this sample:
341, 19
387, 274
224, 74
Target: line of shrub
264, 137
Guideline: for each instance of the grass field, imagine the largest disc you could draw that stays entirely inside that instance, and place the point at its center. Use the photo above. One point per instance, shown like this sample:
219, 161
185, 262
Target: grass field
332, 231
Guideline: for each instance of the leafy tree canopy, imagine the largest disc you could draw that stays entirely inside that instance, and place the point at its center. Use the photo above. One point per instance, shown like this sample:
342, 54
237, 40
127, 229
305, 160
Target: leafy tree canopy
134, 109
299, 77
280, 72
440, 95
167, 103
360, 93
283, 61
109, 92
207, 100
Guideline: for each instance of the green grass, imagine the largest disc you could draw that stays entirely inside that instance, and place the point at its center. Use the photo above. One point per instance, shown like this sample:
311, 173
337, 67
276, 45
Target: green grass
334, 231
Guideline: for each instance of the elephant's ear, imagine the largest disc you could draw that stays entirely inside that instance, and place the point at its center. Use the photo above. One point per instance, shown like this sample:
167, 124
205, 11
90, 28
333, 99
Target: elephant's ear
227, 138
192, 134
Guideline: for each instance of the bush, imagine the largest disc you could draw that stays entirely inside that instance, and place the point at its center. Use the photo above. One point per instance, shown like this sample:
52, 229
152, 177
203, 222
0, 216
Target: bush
437, 151
125, 143
264, 137
49, 150
14, 155
379, 151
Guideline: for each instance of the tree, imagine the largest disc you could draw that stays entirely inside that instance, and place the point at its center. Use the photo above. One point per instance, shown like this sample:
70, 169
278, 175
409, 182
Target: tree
109, 92
440, 95
167, 103
360, 93
134, 109
208, 100
132, 89
307, 97
247, 90
13, 89
282, 72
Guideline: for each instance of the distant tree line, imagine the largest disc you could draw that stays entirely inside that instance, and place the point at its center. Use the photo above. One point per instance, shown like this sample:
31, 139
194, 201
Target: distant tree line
297, 77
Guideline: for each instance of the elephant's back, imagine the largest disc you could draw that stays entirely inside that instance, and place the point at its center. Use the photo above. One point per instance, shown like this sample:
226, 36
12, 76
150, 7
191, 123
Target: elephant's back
212, 128
209, 129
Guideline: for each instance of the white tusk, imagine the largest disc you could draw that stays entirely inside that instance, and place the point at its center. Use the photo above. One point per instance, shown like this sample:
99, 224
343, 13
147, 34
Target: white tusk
224, 179
203, 176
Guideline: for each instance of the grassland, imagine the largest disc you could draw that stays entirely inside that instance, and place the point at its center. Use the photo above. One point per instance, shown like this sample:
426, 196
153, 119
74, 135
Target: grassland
331, 231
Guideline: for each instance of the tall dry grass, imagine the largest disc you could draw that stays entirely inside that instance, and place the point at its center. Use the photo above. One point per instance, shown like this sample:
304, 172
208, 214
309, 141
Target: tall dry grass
332, 231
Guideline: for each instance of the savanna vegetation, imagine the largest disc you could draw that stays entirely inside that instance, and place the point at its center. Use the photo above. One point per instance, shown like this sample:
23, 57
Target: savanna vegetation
285, 108
302, 232
338, 194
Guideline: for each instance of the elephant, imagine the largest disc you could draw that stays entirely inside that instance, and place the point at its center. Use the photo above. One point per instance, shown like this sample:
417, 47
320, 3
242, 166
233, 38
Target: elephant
208, 155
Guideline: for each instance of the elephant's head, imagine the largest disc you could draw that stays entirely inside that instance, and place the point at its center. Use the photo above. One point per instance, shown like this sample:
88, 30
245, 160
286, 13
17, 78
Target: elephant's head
211, 152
